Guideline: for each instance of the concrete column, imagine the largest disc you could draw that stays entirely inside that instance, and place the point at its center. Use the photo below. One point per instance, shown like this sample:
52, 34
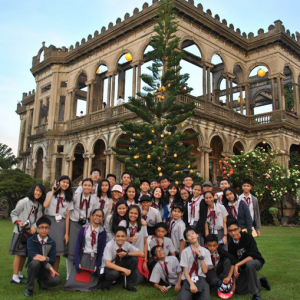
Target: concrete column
112, 164
113, 89
88, 100
71, 166
227, 91
241, 101
208, 85
90, 158
202, 163
247, 100
85, 165
204, 82
139, 80
92, 106
231, 94
108, 154
296, 98
206, 165
134, 81
109, 104
273, 94
53, 101
279, 93
282, 93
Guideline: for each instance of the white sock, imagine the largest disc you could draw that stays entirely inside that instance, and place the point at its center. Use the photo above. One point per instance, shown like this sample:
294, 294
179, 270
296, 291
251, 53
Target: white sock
69, 265
20, 275
16, 278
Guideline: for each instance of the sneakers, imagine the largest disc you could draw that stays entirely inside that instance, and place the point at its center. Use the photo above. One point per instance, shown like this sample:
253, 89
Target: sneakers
256, 297
265, 283
28, 293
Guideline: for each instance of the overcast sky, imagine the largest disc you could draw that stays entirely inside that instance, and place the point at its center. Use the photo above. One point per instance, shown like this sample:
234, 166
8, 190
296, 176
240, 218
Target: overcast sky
24, 25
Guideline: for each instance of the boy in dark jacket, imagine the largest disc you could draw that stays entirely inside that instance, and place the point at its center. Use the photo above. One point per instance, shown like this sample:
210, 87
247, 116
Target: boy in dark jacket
41, 256
243, 247
223, 263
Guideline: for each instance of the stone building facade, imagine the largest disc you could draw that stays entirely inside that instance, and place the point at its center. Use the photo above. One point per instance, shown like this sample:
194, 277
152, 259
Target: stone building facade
55, 140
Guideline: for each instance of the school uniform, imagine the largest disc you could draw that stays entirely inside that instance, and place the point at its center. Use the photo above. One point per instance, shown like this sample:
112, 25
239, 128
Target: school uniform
56, 212
252, 203
164, 212
176, 230
166, 271
40, 269
152, 218
170, 207
105, 204
240, 211
94, 189
80, 210
24, 210
130, 262
167, 245
190, 260
222, 262
247, 282
88, 253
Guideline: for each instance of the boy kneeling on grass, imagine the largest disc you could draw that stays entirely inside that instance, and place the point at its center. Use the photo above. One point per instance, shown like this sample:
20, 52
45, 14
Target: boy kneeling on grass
195, 261
41, 257
243, 247
167, 269
121, 258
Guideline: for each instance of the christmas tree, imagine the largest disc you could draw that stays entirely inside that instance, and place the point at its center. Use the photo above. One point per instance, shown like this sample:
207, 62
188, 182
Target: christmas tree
156, 145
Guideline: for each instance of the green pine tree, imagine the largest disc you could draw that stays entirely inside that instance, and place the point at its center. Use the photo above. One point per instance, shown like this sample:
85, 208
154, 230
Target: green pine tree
156, 145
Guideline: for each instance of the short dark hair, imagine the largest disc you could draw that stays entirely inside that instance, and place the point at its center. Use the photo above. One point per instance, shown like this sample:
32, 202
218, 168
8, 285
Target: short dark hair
211, 238
232, 222
98, 209
144, 180
198, 183
225, 179
121, 228
163, 177
112, 175
125, 172
153, 179
187, 230
209, 192
178, 206
43, 220
161, 224
186, 176
99, 192
95, 169
246, 181
87, 179
30, 193
153, 250
145, 198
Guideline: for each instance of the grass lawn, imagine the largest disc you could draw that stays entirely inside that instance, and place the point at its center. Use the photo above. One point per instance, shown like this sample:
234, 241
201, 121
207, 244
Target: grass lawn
279, 246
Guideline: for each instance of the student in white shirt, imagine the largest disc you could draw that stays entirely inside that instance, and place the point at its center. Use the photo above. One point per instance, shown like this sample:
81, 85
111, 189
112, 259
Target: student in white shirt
95, 175
131, 195
104, 197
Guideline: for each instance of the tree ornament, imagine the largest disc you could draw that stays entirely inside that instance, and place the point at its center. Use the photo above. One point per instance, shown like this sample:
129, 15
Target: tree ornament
163, 11
191, 171
155, 117
182, 124
176, 171
261, 73
176, 182
160, 70
160, 174
134, 134
166, 57
162, 136
159, 89
136, 165
163, 88
169, 133
166, 146
162, 97
177, 165
159, 168
153, 93
189, 166
128, 57
152, 131
138, 135
169, 85
150, 142
148, 156
175, 155
164, 21
159, 77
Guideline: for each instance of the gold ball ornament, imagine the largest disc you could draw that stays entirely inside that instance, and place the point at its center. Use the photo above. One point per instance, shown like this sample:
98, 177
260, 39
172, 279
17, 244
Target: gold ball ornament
159, 168
162, 97
164, 21
148, 156
166, 146
166, 57
136, 165
150, 142
163, 88
162, 136
177, 165
261, 73
134, 134
153, 93
189, 166
169, 133
191, 171
152, 131
175, 155
169, 85
159, 89
159, 77
160, 70
182, 124
128, 57
160, 174
176, 182
176, 171
155, 117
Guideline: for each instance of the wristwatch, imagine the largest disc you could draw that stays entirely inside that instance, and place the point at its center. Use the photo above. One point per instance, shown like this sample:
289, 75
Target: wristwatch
201, 257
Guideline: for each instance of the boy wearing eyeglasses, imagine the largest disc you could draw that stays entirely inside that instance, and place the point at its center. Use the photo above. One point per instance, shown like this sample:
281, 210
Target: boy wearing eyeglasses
243, 247
41, 257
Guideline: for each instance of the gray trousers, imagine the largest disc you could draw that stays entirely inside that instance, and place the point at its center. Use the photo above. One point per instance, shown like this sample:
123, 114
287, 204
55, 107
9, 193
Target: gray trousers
36, 271
186, 294
247, 281
214, 276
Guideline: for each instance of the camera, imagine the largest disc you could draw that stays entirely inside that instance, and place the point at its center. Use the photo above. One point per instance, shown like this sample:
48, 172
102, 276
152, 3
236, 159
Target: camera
57, 186
26, 223
82, 221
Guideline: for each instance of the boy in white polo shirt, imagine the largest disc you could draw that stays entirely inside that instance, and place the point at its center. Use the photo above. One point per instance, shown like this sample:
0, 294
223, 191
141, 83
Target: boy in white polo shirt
167, 269
195, 261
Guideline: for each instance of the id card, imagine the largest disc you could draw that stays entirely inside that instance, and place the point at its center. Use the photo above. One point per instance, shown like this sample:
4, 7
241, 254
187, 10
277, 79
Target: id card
192, 222
58, 218
195, 278
92, 255
102, 271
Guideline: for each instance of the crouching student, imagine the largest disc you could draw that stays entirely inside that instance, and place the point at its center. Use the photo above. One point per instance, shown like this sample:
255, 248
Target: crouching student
167, 271
41, 257
223, 263
243, 247
120, 258
89, 250
177, 228
195, 261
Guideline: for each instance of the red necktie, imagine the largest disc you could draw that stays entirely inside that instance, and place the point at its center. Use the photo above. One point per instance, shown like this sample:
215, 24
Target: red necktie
113, 207
59, 202
93, 242
212, 216
232, 211
171, 227
166, 272
195, 266
132, 230
193, 207
42, 242
102, 203
214, 260
144, 217
247, 199
154, 205
171, 206
118, 258
84, 202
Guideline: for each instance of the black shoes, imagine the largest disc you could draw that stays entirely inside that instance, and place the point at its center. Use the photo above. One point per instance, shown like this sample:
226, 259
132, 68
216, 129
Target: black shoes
28, 293
265, 283
105, 288
40, 286
131, 289
15, 282
256, 297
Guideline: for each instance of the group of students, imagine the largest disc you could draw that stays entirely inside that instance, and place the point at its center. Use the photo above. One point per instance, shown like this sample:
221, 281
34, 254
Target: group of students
190, 238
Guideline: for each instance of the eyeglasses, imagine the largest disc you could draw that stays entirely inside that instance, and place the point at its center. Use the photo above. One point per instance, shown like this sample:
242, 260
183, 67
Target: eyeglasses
44, 227
158, 250
233, 230
98, 216
95, 174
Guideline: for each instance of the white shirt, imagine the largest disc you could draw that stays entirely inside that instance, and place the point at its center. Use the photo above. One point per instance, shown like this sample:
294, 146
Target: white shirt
250, 205
194, 217
177, 233
120, 101
88, 240
220, 212
63, 208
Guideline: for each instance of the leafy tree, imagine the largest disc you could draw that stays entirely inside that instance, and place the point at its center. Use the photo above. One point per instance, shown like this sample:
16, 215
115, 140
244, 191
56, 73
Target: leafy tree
14, 185
156, 144
7, 158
